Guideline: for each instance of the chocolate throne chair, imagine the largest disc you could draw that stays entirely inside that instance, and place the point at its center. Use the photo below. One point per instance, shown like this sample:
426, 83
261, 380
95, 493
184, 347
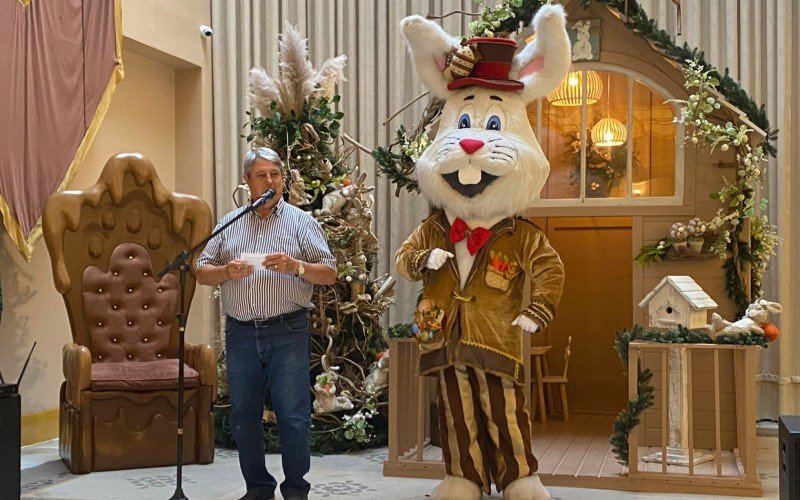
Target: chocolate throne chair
119, 402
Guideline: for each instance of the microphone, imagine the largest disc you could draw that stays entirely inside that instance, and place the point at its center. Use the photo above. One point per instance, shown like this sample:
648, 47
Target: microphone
268, 194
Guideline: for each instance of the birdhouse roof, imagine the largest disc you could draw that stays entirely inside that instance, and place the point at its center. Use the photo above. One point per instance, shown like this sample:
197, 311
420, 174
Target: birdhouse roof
688, 289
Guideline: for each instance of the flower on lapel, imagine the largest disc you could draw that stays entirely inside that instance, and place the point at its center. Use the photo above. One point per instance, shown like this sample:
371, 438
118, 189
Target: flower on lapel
502, 264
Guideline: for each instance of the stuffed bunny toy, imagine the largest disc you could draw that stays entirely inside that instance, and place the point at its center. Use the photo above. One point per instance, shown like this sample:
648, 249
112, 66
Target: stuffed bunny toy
754, 321
474, 253
582, 48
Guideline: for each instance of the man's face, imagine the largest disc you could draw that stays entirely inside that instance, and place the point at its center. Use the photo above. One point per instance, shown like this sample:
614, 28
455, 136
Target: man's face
265, 175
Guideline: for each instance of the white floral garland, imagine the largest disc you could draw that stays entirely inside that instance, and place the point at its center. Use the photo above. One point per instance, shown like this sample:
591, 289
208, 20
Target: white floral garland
737, 197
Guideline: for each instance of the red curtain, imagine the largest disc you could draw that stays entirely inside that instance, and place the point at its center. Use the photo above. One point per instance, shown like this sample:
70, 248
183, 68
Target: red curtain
59, 65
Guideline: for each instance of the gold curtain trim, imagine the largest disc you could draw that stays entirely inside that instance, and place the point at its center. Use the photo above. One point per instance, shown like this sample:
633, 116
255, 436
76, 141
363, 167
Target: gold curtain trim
24, 2
25, 245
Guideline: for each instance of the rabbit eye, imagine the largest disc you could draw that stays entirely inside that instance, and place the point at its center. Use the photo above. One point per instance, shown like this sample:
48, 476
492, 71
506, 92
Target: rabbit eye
493, 123
464, 121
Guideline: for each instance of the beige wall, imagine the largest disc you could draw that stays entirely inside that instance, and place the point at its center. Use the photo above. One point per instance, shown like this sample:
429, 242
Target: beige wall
161, 109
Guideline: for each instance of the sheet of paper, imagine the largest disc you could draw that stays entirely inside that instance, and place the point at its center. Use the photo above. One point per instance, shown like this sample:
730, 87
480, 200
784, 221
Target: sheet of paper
253, 259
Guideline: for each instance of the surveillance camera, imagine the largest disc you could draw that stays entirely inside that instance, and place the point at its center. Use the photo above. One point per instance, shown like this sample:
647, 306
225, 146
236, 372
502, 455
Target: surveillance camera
206, 30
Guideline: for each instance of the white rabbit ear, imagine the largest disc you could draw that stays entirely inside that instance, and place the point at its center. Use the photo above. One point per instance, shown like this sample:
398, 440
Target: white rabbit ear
543, 64
429, 44
773, 307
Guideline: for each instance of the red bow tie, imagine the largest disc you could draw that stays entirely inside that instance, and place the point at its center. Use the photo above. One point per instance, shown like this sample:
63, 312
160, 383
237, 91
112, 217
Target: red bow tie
476, 238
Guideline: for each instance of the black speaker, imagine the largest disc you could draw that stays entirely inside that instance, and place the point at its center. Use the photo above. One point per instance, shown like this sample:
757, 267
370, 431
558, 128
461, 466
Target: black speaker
10, 409
789, 451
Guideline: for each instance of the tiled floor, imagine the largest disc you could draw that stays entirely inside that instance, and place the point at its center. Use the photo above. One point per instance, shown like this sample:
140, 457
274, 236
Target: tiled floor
357, 475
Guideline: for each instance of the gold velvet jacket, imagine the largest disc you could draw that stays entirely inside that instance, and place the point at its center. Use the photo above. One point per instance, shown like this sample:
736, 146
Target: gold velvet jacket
476, 327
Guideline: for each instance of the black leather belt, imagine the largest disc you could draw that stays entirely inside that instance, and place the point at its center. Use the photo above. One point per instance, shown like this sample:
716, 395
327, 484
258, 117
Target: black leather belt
262, 323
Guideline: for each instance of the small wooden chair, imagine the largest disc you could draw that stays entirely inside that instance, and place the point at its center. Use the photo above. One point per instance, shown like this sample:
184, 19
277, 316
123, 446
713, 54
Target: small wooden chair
561, 380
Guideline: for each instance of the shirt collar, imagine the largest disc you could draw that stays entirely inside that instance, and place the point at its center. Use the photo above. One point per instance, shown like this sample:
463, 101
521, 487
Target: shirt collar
277, 209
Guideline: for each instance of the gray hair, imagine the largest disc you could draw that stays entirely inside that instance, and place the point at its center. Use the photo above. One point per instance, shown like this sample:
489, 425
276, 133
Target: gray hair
263, 153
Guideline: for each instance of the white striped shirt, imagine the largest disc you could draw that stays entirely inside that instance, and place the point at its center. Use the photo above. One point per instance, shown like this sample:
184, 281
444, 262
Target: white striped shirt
267, 293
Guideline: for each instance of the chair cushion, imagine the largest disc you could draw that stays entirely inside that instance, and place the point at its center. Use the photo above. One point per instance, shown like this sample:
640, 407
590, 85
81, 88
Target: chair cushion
141, 376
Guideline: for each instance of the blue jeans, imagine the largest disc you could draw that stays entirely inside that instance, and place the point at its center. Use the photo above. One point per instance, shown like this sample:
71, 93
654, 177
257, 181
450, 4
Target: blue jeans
277, 358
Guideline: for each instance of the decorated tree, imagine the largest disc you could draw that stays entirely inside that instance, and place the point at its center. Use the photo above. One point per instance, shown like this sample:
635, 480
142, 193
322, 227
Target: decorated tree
295, 115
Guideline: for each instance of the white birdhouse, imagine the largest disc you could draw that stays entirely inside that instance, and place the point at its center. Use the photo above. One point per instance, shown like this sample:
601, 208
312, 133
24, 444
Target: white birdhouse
678, 300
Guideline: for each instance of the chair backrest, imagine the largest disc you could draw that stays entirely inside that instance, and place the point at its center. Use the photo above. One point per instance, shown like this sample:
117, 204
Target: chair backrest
126, 215
128, 313
567, 352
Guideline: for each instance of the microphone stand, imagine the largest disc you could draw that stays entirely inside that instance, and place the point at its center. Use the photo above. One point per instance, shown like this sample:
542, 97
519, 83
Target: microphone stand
181, 263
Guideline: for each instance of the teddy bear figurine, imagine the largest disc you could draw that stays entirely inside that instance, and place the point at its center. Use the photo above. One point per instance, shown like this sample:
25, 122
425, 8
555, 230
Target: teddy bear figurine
474, 253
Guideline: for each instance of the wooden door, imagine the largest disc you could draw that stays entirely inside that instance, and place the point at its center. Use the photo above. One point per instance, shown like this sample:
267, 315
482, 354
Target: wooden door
597, 302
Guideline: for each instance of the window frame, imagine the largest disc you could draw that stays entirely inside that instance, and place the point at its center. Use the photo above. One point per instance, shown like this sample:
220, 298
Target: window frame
677, 199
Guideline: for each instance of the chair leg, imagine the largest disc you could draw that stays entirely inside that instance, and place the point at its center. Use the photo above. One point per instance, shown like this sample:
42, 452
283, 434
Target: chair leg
564, 404
548, 388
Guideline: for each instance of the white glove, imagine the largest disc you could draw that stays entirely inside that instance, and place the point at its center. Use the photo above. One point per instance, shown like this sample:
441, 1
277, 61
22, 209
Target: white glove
437, 258
526, 324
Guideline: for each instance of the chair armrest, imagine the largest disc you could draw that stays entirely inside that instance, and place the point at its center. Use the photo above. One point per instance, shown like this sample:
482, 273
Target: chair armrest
77, 363
201, 357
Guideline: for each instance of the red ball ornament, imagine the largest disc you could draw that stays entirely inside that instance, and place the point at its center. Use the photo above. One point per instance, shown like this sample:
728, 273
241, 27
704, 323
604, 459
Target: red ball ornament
770, 332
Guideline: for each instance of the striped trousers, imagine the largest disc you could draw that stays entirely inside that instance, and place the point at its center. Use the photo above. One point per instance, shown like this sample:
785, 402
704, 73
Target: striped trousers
484, 427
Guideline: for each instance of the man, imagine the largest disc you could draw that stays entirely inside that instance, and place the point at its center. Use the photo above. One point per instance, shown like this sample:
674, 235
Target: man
267, 339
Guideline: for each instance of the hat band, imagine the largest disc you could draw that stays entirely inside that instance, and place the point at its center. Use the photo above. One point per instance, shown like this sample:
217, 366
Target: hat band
492, 70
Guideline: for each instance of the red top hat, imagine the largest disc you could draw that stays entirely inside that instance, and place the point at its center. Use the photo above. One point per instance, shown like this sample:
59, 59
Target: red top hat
491, 70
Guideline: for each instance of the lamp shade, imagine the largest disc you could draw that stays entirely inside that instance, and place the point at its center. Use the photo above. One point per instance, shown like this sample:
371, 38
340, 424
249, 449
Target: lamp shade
569, 92
609, 132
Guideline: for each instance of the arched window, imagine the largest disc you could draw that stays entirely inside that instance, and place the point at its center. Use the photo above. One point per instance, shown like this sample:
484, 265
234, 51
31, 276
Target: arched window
611, 139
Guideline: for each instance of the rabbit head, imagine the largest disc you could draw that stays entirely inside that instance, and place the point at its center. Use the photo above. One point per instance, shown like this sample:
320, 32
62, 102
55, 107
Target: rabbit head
485, 160
772, 307
759, 310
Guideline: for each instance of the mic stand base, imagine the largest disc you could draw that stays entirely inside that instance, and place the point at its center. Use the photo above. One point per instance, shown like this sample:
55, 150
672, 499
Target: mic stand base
178, 495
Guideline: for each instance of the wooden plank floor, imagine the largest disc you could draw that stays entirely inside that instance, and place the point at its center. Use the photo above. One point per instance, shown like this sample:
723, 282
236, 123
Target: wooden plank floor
578, 454
581, 448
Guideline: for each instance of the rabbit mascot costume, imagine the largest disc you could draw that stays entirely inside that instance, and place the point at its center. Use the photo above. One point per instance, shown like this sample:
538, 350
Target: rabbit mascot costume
474, 253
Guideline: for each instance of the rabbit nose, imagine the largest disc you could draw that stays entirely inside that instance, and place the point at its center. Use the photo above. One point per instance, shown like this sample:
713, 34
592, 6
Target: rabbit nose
470, 145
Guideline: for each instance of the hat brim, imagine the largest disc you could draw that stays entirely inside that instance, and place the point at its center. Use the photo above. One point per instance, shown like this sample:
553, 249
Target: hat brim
485, 83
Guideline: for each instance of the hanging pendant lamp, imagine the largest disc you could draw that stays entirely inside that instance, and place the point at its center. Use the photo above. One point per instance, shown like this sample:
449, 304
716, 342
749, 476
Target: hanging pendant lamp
609, 132
569, 92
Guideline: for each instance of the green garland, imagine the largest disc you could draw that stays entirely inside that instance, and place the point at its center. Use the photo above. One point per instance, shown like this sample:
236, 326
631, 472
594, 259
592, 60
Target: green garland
630, 417
737, 197
325, 438
399, 167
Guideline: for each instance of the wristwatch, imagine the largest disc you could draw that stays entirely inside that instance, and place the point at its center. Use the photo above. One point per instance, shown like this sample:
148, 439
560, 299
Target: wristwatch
300, 269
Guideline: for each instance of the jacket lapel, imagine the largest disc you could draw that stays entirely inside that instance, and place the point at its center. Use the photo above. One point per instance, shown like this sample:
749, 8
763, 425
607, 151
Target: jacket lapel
444, 225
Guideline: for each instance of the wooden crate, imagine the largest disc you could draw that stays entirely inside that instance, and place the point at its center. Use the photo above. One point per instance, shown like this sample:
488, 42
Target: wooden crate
731, 412
411, 453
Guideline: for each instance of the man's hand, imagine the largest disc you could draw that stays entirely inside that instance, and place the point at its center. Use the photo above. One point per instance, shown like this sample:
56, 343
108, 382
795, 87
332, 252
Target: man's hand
526, 324
280, 262
237, 269
437, 258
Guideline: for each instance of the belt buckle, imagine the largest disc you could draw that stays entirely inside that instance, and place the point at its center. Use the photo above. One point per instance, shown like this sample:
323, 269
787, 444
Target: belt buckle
261, 323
